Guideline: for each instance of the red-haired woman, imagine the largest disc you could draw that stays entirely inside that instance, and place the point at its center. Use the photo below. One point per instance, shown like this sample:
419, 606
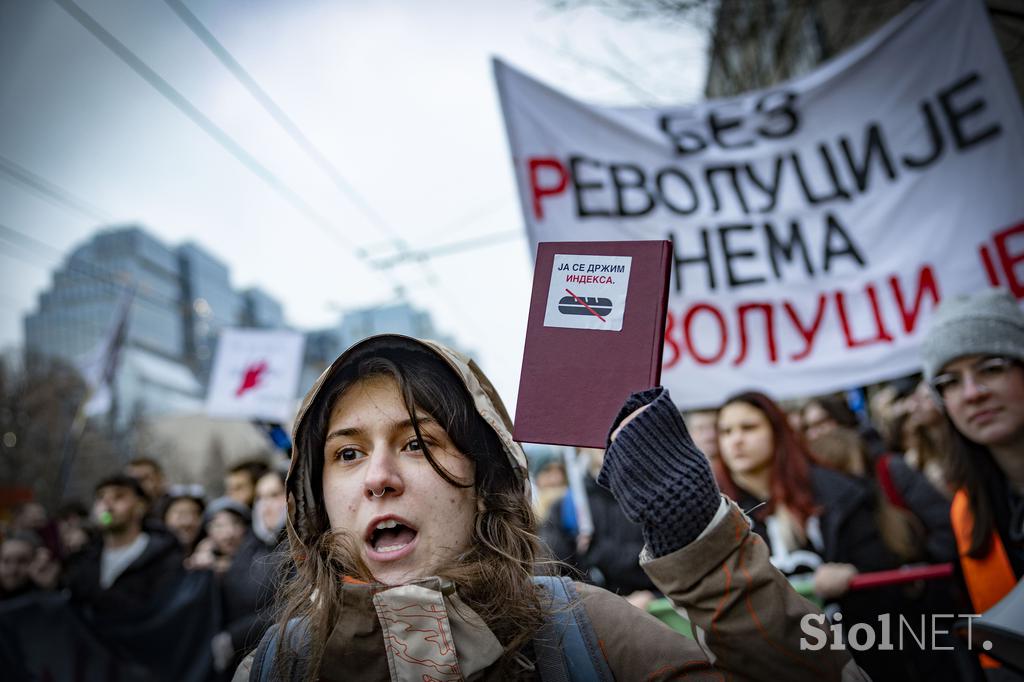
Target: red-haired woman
816, 521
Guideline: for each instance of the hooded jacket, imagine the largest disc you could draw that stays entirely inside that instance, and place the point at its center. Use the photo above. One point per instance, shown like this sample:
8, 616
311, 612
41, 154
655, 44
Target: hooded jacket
746, 617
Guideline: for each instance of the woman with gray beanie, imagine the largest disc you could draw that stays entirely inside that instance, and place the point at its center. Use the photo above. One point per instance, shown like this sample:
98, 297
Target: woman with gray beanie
974, 360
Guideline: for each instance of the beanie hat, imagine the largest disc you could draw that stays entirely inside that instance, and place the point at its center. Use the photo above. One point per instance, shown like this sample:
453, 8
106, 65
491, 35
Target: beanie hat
987, 323
229, 505
187, 491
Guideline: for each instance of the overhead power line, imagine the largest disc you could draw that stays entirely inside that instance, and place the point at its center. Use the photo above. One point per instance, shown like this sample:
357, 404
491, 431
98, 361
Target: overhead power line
292, 129
278, 114
200, 119
51, 191
119, 281
221, 137
445, 249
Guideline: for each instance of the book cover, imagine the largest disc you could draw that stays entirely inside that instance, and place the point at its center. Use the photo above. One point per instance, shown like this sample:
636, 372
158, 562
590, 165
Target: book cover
594, 336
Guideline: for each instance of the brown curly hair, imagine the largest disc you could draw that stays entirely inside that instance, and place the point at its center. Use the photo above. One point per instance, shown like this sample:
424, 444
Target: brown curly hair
493, 578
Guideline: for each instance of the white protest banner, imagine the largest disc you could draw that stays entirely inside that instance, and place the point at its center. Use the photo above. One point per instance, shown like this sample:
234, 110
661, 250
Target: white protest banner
815, 224
255, 374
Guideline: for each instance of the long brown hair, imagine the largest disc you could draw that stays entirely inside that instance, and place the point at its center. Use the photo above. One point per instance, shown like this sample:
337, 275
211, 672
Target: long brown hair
844, 450
791, 461
972, 468
493, 577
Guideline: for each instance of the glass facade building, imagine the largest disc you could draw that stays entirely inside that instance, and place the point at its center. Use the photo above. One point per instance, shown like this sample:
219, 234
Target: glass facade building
259, 309
210, 304
79, 309
183, 297
323, 346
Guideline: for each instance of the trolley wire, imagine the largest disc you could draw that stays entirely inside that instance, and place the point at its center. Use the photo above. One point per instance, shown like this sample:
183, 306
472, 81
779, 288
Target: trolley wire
282, 119
52, 191
218, 134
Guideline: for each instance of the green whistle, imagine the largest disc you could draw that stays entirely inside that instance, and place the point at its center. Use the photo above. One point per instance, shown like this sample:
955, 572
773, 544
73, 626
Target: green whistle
105, 518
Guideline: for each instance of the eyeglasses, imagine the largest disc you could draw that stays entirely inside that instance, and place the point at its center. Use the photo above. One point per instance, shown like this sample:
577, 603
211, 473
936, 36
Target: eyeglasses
985, 374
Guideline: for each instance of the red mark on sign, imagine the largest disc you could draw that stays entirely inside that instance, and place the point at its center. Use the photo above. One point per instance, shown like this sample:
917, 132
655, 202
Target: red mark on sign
582, 303
252, 376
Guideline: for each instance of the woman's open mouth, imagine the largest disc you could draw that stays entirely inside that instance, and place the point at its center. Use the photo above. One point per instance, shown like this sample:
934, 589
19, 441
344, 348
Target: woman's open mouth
389, 538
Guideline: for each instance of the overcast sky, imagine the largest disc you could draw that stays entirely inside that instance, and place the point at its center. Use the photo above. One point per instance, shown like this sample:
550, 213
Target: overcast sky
398, 95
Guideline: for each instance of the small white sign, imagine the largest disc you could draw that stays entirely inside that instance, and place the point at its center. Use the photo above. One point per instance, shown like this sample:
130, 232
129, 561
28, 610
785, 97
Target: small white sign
255, 374
588, 292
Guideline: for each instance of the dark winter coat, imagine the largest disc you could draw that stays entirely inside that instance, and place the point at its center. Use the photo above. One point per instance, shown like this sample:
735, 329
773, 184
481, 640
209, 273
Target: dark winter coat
611, 561
247, 591
850, 531
848, 526
132, 593
929, 506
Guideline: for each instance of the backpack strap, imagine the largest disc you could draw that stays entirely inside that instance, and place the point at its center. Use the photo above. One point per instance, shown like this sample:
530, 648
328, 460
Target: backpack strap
263, 657
265, 653
566, 647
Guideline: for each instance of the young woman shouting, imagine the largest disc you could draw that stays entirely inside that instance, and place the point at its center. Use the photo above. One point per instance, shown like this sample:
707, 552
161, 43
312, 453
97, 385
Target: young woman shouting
416, 555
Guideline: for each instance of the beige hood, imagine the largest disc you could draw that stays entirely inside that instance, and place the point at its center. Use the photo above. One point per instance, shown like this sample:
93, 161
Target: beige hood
301, 498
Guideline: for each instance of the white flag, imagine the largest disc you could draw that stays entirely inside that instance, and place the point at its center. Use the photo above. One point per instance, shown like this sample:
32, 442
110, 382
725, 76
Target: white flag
99, 367
255, 374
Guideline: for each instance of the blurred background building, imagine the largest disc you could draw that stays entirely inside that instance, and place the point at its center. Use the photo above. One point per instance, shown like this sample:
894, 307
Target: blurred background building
80, 308
324, 345
183, 298
178, 300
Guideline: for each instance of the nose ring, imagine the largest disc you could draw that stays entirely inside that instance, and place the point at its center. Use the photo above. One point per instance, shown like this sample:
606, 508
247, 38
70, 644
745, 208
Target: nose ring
376, 494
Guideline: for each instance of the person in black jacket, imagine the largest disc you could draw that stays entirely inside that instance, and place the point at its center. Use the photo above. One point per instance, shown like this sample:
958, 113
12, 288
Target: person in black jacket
606, 556
250, 582
817, 522
120, 575
913, 517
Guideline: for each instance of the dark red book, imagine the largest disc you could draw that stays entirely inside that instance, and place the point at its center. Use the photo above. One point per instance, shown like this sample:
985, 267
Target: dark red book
595, 335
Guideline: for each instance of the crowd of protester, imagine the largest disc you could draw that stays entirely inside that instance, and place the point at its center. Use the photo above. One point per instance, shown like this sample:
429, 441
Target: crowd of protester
144, 559
931, 472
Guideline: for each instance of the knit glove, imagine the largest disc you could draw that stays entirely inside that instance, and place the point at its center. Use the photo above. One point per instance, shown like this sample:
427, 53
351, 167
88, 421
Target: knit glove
658, 476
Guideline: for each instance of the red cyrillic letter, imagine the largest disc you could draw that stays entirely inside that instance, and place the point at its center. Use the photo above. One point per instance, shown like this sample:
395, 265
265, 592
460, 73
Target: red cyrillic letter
1009, 261
769, 316
806, 333
537, 191
670, 343
883, 333
687, 324
990, 269
925, 283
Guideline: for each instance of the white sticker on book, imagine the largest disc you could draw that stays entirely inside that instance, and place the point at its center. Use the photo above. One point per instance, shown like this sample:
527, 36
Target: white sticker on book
588, 292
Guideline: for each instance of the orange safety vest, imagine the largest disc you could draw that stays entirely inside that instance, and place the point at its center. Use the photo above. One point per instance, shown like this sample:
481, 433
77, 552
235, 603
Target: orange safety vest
988, 579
